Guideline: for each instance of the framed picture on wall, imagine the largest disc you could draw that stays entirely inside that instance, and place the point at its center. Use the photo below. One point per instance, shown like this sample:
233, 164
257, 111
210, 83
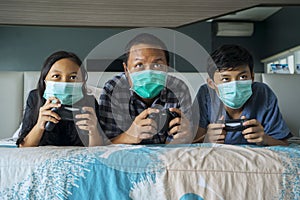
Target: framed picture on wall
280, 68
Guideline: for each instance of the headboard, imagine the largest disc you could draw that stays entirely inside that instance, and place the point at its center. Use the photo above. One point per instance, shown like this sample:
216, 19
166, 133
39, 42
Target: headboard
15, 87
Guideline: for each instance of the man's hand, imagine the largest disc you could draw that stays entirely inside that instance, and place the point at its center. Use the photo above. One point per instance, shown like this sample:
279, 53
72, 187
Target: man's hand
181, 129
142, 127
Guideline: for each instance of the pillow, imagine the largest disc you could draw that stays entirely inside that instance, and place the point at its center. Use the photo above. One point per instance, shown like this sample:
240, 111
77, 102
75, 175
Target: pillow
16, 133
92, 90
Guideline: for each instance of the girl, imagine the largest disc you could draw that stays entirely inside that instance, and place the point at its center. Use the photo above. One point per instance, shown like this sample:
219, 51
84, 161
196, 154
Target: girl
62, 82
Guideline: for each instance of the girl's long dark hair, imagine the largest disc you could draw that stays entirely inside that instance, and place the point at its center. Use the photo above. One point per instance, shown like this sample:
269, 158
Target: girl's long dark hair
46, 68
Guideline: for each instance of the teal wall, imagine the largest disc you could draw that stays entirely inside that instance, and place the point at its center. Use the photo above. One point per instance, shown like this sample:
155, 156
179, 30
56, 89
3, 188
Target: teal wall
24, 48
282, 31
201, 32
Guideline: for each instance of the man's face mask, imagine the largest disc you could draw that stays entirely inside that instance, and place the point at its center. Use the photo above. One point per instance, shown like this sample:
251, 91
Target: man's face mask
67, 92
234, 94
148, 83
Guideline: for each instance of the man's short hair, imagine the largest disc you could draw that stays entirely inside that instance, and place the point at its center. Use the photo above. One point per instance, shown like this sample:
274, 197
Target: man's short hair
145, 38
228, 57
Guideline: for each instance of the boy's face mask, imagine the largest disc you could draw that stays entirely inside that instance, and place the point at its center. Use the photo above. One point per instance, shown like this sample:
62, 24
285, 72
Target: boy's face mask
148, 83
67, 92
234, 94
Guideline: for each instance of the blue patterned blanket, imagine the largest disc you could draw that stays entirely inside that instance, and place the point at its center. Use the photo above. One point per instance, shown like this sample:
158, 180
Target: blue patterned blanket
184, 172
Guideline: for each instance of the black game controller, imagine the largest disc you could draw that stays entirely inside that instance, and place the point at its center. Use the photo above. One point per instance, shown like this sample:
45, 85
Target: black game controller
66, 113
162, 119
234, 125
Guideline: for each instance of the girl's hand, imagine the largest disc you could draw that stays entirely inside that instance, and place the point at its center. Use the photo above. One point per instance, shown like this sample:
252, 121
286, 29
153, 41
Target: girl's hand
88, 121
45, 113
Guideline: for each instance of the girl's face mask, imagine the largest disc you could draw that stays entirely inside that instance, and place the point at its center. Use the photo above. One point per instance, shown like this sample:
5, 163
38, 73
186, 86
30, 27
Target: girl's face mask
148, 83
67, 92
234, 94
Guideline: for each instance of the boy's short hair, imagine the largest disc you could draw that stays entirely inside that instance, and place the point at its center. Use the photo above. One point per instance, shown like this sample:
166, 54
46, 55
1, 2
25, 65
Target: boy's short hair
145, 38
229, 56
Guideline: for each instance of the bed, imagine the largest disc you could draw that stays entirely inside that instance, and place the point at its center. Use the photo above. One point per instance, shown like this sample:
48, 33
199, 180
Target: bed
184, 172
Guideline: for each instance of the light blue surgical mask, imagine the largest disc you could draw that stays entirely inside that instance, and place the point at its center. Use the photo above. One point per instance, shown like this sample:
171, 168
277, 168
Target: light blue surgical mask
67, 92
234, 94
148, 83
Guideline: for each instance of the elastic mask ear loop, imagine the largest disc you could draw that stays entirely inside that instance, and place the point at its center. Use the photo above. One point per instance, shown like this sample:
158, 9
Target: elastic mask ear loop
216, 88
127, 73
214, 85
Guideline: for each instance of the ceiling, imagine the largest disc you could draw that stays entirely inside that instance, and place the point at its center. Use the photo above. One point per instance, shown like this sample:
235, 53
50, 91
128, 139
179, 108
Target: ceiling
121, 13
251, 14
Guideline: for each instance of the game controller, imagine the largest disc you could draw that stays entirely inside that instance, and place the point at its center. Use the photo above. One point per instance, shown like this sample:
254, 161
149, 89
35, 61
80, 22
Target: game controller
162, 119
66, 113
234, 125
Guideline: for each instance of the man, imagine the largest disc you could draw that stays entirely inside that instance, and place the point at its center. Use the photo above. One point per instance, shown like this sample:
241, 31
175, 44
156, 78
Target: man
230, 93
144, 89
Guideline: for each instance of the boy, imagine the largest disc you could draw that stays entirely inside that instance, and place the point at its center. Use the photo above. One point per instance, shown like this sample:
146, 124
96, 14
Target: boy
231, 93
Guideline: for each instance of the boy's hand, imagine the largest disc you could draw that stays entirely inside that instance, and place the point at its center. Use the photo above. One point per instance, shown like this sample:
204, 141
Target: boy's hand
255, 133
215, 133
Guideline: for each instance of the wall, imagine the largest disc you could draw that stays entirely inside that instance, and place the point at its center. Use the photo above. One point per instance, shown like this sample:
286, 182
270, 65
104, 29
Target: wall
26, 47
252, 43
277, 33
282, 31
201, 32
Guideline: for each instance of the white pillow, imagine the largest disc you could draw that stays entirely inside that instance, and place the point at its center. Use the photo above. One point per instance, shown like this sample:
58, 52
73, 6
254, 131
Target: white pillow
92, 90
16, 133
